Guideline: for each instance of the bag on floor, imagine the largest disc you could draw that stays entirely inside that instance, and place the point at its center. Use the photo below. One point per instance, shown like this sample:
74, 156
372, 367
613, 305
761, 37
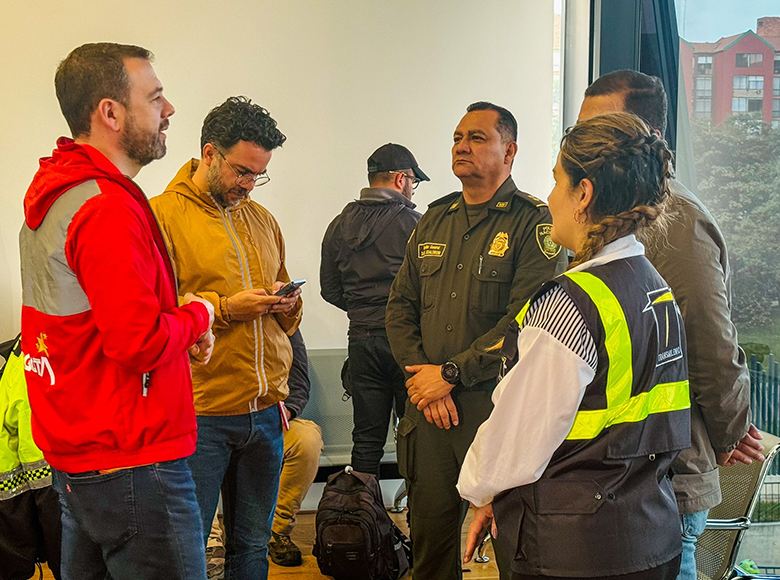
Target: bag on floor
356, 539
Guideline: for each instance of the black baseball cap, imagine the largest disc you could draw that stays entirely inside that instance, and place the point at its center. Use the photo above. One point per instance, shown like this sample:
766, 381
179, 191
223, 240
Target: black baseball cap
393, 157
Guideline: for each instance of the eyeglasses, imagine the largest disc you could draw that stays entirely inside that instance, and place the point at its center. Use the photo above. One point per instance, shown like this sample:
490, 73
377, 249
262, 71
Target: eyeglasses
246, 179
415, 180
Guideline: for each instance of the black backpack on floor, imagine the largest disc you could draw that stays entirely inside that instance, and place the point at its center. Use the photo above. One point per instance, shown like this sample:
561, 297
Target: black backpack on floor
356, 539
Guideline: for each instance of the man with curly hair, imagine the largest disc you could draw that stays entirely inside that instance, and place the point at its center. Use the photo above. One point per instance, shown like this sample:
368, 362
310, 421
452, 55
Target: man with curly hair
229, 250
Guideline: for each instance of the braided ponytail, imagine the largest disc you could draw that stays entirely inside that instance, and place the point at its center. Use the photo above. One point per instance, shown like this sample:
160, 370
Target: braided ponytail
615, 227
629, 167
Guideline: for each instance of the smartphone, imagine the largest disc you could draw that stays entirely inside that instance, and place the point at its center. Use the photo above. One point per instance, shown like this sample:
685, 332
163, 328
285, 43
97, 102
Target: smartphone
289, 288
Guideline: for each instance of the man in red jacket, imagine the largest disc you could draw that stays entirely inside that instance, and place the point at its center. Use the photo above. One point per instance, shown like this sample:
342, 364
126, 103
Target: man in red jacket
104, 340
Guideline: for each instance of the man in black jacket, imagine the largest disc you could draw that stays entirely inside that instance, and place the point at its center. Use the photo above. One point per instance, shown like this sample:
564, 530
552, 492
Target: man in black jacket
362, 251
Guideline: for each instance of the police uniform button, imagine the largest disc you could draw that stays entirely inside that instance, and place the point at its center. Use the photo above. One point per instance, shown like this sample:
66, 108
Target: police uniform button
597, 496
460, 266
651, 457
454, 295
611, 496
494, 273
466, 237
424, 269
449, 328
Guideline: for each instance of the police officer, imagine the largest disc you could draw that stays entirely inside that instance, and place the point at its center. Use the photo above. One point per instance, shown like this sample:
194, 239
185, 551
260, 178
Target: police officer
475, 258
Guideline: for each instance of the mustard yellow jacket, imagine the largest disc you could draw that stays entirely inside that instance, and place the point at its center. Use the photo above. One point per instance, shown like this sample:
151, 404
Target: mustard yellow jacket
217, 253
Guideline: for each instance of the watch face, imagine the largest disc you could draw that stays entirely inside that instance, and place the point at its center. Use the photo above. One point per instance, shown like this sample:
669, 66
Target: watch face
450, 372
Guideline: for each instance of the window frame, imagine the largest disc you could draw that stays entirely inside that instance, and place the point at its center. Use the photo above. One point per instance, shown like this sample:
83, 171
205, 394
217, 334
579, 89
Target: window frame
749, 60
758, 80
740, 100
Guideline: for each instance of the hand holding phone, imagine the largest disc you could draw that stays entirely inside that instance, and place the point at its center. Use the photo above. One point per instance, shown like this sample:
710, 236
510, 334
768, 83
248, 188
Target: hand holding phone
289, 288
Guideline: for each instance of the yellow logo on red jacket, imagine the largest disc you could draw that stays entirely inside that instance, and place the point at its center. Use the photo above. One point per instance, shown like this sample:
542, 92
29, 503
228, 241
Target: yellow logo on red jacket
40, 344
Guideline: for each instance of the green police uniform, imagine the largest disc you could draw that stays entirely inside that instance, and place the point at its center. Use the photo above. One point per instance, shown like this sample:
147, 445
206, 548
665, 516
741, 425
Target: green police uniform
462, 282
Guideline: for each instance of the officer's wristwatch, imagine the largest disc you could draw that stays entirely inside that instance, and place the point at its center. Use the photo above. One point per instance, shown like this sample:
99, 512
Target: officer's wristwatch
450, 372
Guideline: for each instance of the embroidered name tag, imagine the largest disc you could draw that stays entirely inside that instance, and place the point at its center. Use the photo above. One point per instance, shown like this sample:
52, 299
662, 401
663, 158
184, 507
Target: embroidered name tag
430, 249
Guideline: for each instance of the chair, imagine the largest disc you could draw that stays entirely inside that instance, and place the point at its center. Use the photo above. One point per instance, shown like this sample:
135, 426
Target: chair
482, 558
718, 546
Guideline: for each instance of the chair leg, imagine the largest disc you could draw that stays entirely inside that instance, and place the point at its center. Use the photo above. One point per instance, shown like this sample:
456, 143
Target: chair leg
399, 495
481, 557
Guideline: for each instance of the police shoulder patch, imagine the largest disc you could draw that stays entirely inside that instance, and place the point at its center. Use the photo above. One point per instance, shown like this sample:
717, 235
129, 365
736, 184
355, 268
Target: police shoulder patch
549, 248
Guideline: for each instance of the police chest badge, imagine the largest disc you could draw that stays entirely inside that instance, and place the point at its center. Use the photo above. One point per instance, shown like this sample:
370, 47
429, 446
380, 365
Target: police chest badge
546, 245
500, 245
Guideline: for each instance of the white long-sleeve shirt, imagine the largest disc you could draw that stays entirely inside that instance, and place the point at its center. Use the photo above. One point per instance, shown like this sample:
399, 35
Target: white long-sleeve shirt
537, 401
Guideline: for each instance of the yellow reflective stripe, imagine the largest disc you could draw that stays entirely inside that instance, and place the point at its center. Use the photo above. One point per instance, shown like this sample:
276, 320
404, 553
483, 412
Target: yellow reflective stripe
663, 398
620, 374
665, 297
521, 314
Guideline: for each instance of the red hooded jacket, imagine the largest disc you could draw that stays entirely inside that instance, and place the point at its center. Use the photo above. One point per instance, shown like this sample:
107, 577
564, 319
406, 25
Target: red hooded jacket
103, 339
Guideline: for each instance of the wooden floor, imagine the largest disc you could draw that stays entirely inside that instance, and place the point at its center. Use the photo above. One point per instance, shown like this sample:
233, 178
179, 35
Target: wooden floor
303, 536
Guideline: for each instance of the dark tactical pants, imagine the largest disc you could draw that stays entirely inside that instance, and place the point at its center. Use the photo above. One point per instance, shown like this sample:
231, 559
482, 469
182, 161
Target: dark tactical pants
378, 386
430, 459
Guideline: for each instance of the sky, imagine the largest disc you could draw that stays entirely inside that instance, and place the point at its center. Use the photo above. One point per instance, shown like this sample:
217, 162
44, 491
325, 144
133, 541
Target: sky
709, 20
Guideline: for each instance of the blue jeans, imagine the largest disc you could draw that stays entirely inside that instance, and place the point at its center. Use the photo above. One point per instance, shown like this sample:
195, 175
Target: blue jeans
242, 456
134, 523
691, 525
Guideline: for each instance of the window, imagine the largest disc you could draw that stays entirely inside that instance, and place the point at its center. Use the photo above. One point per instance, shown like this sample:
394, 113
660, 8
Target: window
704, 65
704, 87
703, 107
745, 105
713, 157
756, 83
755, 105
753, 83
749, 59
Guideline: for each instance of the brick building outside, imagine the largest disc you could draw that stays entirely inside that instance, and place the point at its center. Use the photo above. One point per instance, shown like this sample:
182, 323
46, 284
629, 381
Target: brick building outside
736, 74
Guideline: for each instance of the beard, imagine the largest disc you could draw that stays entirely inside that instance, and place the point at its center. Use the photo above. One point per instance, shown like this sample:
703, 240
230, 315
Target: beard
220, 190
143, 146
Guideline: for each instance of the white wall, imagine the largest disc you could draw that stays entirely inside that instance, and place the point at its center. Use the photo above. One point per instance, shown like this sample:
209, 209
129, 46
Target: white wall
340, 76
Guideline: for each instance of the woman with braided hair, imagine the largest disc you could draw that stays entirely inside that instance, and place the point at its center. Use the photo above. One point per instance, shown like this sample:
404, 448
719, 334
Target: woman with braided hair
594, 405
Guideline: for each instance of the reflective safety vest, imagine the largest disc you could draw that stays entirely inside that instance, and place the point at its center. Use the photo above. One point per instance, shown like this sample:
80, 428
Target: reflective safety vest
604, 505
22, 466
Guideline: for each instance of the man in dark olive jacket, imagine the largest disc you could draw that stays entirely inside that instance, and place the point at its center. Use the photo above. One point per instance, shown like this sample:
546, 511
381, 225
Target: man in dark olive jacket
362, 251
693, 259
